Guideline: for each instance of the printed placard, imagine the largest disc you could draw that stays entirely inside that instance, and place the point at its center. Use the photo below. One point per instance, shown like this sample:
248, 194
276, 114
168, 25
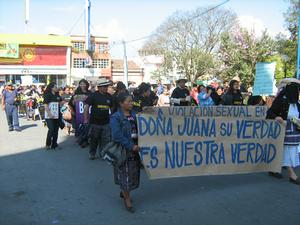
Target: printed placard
54, 109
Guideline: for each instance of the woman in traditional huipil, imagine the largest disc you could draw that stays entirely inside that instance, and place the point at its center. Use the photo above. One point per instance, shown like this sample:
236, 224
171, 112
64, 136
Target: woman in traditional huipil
286, 107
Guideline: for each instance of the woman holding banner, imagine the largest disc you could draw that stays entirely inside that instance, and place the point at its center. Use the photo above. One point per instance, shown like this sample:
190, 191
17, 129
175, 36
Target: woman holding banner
124, 131
286, 107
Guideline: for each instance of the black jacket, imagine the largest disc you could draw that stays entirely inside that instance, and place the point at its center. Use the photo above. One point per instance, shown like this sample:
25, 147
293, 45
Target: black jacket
232, 99
139, 102
280, 107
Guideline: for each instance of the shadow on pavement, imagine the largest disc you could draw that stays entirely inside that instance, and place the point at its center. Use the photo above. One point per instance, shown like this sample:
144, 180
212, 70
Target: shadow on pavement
40, 187
24, 127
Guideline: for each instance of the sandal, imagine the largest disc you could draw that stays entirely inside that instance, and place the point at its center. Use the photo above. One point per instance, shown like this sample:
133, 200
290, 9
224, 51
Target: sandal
128, 208
297, 181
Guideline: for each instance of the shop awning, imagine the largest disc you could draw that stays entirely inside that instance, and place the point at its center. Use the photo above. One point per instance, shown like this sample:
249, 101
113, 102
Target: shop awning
36, 39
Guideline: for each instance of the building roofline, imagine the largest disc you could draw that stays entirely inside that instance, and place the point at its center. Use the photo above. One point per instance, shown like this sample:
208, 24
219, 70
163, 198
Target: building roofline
36, 39
76, 35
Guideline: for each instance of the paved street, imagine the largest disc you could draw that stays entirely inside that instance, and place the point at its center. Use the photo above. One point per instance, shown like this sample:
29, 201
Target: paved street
39, 187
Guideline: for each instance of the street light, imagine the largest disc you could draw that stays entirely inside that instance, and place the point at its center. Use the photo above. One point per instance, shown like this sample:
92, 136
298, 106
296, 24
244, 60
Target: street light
285, 59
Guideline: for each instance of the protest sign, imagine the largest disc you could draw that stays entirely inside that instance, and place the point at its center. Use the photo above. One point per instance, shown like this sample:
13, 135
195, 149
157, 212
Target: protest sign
53, 107
178, 146
209, 111
264, 83
27, 80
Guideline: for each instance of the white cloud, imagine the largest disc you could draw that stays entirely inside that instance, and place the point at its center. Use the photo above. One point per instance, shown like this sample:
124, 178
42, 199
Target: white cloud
54, 30
252, 24
257, 26
64, 9
111, 29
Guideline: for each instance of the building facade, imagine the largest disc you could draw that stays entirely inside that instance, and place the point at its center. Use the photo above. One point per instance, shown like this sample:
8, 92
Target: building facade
36, 59
90, 64
153, 68
135, 73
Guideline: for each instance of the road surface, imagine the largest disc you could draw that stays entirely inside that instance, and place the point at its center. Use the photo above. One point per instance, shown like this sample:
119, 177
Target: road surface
39, 187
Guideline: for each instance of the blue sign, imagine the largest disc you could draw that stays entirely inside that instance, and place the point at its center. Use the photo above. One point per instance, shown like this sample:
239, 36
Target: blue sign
264, 83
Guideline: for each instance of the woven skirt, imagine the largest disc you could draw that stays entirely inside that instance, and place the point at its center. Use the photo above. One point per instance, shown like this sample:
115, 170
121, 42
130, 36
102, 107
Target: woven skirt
128, 175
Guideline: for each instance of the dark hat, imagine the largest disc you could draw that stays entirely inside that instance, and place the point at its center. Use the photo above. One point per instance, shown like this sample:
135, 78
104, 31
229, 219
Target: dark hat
181, 79
103, 82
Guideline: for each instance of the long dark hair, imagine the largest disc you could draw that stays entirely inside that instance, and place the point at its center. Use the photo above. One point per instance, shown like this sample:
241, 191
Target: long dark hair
79, 90
122, 97
231, 84
120, 86
49, 87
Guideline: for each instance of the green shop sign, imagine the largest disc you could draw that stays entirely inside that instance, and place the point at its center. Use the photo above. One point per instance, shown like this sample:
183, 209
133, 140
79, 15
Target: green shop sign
8, 50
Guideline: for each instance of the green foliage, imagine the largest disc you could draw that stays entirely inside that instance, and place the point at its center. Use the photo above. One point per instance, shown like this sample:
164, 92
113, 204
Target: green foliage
158, 74
198, 44
189, 40
240, 51
287, 46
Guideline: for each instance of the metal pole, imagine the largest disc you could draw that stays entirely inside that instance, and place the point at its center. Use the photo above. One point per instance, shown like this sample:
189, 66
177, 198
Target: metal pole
298, 56
87, 24
69, 63
125, 65
26, 15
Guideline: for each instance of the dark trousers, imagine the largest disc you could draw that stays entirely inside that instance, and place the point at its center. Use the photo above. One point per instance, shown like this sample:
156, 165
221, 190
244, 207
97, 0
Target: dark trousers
12, 116
100, 136
52, 135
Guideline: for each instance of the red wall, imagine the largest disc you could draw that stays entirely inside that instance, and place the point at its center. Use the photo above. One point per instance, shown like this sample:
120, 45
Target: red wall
38, 56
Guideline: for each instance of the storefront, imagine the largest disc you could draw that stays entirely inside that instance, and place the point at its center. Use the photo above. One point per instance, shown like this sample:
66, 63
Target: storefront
38, 58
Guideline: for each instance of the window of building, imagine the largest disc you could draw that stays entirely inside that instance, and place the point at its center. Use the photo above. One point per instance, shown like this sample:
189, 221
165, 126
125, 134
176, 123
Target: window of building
79, 63
103, 48
93, 47
79, 46
101, 63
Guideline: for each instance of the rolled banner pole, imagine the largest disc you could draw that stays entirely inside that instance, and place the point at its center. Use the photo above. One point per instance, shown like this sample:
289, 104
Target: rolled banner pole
298, 55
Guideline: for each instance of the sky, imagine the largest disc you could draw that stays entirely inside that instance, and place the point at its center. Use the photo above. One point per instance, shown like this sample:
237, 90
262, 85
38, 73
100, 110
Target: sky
129, 19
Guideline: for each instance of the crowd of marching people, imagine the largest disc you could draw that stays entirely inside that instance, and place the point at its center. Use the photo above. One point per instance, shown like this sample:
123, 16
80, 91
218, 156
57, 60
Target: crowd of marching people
100, 113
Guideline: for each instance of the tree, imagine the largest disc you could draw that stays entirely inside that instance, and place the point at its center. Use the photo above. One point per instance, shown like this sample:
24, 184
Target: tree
287, 50
190, 40
287, 46
240, 51
291, 19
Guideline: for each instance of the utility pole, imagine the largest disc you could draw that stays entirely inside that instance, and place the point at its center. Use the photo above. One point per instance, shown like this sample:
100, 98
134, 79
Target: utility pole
26, 15
87, 25
125, 64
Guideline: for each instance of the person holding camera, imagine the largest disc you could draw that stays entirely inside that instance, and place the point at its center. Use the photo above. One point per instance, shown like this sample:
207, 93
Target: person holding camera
204, 96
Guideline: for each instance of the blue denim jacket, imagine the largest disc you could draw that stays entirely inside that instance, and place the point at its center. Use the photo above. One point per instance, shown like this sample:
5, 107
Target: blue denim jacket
121, 129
